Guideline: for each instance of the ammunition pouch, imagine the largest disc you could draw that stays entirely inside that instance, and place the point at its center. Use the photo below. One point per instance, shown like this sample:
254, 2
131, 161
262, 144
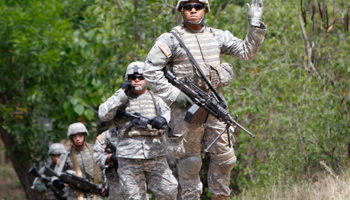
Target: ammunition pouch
175, 144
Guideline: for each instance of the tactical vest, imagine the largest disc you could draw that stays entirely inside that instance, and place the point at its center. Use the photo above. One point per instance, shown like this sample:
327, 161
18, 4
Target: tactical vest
143, 104
86, 163
205, 50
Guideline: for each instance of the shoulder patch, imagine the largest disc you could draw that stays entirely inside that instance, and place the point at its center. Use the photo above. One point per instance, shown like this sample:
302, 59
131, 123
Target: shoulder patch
100, 138
166, 50
59, 162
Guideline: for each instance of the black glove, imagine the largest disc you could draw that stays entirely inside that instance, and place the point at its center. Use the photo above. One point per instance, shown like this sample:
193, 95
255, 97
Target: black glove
127, 86
183, 101
158, 122
114, 159
58, 184
105, 193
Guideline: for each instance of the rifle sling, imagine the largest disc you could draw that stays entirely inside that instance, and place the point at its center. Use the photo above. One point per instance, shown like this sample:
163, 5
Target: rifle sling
194, 62
78, 170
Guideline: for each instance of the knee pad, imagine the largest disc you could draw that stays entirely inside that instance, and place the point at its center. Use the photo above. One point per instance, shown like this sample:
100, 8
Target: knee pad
225, 162
192, 165
228, 165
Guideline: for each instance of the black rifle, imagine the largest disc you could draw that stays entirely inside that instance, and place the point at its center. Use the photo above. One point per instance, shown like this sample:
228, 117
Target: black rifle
204, 104
60, 194
137, 119
80, 183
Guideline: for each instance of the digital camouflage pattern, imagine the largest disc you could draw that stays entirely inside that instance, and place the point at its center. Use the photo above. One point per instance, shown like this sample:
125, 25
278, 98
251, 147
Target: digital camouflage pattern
129, 144
56, 148
140, 151
77, 127
100, 157
86, 163
166, 52
135, 173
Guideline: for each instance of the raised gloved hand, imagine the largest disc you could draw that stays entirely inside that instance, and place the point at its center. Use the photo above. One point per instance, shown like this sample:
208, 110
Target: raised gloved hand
40, 187
254, 12
183, 101
127, 86
58, 184
158, 122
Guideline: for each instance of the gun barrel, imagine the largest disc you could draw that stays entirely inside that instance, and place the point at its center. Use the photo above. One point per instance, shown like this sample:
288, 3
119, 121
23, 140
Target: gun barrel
240, 126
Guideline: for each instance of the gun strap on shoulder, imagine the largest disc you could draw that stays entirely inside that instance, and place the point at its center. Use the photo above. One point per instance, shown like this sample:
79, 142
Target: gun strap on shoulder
155, 103
194, 62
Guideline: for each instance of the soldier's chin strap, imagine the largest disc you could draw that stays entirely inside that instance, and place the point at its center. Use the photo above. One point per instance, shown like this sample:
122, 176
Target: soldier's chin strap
192, 22
140, 88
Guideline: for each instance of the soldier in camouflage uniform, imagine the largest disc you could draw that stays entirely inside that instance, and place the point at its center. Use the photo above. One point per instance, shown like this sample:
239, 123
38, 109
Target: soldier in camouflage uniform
55, 151
205, 44
103, 155
140, 152
80, 162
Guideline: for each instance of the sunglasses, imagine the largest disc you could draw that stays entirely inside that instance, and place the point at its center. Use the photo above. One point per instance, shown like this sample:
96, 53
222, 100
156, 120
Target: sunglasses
196, 6
136, 76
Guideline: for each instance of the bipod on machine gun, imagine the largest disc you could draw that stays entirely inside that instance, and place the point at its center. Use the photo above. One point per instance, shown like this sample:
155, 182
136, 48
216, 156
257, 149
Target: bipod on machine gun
60, 194
204, 104
80, 183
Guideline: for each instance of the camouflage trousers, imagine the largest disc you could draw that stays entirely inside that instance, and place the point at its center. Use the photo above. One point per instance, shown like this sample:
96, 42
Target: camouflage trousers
195, 138
114, 188
135, 173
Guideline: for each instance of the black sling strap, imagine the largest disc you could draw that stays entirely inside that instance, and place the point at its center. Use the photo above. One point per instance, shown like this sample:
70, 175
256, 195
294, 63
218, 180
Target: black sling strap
194, 62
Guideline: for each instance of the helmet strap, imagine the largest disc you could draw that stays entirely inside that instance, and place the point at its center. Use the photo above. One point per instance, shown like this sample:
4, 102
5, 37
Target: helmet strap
140, 89
192, 22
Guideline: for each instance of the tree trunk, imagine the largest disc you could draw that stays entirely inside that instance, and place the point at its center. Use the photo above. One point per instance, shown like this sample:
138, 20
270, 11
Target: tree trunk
21, 168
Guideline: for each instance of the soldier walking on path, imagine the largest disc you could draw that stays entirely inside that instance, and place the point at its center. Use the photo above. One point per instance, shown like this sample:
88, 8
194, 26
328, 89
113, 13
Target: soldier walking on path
105, 156
80, 162
205, 44
142, 117
55, 151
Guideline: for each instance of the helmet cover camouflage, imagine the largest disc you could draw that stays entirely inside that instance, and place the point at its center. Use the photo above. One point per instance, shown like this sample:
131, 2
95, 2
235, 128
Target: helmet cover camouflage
57, 148
181, 2
76, 128
133, 68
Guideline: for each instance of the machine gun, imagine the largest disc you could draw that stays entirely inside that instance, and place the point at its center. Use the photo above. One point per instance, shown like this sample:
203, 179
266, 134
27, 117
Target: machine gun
204, 104
60, 194
80, 183
137, 119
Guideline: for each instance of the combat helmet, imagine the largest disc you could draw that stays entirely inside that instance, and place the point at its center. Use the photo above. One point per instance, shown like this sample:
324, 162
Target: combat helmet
134, 68
76, 128
57, 148
181, 2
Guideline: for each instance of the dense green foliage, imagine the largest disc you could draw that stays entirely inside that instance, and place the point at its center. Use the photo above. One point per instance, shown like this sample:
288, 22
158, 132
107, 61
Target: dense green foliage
60, 60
